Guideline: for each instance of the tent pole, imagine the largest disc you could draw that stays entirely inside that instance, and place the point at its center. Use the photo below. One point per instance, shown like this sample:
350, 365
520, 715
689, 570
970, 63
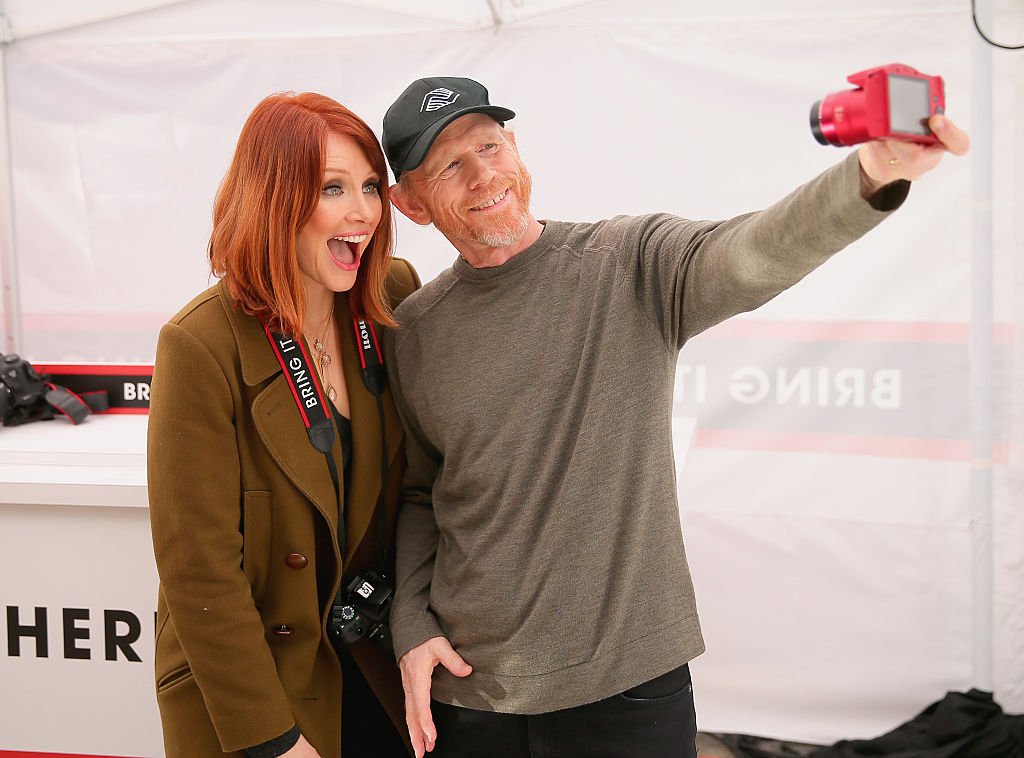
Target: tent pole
496, 13
981, 362
8, 259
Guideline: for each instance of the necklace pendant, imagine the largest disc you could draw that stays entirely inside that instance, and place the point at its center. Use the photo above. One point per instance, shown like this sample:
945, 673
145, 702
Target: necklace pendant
331, 394
318, 346
325, 360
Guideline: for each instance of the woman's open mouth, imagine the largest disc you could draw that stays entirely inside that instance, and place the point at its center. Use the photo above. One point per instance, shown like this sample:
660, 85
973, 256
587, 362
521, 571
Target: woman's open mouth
345, 250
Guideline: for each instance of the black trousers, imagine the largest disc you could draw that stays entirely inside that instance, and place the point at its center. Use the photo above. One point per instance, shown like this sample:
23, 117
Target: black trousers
653, 720
366, 730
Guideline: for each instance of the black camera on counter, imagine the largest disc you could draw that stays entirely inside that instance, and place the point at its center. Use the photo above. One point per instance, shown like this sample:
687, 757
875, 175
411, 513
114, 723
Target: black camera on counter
22, 392
364, 611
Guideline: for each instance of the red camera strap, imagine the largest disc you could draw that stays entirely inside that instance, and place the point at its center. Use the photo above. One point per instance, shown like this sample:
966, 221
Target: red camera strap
314, 409
305, 386
309, 398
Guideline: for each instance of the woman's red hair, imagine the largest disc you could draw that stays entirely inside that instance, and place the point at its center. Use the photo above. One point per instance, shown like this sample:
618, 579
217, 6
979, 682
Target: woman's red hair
270, 190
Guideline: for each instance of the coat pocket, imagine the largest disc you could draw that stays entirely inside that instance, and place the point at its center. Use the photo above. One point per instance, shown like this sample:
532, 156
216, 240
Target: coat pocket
171, 678
257, 517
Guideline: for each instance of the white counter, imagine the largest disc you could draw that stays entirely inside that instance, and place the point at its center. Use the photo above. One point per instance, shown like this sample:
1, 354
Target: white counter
102, 461
78, 585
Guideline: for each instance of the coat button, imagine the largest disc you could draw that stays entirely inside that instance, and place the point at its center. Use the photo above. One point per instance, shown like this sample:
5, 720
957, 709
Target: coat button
284, 630
296, 561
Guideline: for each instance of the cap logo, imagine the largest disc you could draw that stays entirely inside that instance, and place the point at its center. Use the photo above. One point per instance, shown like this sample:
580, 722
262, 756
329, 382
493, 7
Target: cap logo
437, 99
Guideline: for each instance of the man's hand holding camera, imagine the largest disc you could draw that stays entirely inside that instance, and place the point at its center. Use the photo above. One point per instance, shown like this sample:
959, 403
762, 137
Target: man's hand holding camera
885, 161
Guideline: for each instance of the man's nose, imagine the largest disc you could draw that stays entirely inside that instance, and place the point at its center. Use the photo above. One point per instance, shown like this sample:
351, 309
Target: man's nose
480, 173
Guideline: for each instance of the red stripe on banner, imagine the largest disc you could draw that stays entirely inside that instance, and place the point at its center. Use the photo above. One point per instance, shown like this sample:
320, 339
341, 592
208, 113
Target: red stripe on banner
96, 369
23, 754
88, 321
955, 333
844, 444
123, 412
866, 331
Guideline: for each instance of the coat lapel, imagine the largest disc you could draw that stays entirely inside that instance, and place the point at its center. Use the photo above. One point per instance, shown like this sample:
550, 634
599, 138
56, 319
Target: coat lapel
279, 424
364, 482
277, 416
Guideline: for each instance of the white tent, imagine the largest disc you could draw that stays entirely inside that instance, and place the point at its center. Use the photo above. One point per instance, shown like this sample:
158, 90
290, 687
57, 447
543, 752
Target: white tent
852, 501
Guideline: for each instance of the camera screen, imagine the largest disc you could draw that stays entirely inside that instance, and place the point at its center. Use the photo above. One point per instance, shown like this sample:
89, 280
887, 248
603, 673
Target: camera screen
908, 105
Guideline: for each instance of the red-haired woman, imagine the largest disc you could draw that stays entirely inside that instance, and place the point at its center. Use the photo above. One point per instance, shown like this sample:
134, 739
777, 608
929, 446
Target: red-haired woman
257, 532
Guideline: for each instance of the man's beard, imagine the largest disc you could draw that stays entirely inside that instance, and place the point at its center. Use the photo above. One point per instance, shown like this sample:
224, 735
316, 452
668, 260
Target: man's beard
507, 232
501, 229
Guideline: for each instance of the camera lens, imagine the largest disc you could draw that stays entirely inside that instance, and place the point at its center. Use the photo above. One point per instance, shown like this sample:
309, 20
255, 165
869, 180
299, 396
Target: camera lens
816, 124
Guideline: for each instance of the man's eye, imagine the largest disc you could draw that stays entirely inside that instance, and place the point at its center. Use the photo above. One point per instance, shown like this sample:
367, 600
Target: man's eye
452, 166
332, 190
490, 147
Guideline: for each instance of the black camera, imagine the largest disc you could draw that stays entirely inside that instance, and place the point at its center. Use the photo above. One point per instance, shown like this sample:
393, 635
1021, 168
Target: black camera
363, 612
22, 392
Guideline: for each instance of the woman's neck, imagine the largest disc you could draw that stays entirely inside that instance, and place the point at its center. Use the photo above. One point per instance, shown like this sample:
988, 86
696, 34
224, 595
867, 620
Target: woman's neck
319, 302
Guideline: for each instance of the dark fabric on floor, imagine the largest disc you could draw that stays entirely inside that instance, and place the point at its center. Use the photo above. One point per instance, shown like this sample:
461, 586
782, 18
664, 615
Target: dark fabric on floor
749, 746
961, 725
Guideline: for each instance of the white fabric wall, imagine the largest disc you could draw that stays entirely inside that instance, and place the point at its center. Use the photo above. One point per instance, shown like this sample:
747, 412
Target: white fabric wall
827, 528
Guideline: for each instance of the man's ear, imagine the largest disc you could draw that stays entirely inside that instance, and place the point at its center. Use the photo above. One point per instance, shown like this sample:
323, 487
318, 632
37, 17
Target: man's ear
511, 137
409, 205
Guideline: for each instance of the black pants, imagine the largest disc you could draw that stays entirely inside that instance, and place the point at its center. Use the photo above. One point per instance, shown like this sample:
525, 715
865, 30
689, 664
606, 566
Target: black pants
654, 720
366, 730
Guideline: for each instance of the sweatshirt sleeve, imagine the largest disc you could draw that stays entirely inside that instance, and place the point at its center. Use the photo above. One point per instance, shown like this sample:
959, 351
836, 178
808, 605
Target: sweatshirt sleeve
195, 508
690, 275
412, 620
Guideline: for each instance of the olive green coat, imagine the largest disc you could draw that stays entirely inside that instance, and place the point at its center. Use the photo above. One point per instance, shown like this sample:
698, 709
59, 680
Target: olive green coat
245, 519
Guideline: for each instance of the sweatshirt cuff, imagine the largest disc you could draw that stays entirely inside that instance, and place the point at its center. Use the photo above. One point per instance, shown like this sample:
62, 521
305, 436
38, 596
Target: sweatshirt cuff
410, 631
275, 747
891, 196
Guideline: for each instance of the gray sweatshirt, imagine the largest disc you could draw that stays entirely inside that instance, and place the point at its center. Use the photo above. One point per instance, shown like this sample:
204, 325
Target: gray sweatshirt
539, 530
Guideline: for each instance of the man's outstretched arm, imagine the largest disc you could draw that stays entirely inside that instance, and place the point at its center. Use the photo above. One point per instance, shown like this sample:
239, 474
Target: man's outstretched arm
690, 275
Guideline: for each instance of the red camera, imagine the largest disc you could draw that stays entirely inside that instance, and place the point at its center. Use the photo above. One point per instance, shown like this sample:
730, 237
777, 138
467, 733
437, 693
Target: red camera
889, 102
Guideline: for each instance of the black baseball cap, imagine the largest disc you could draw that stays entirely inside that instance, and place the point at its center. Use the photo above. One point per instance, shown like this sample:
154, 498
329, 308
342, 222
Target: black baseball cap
427, 106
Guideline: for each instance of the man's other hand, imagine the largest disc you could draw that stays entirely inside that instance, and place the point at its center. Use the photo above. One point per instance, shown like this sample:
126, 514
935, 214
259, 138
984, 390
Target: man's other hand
885, 161
417, 666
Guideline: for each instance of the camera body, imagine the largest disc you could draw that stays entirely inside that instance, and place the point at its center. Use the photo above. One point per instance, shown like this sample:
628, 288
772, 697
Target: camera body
22, 392
888, 102
364, 611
